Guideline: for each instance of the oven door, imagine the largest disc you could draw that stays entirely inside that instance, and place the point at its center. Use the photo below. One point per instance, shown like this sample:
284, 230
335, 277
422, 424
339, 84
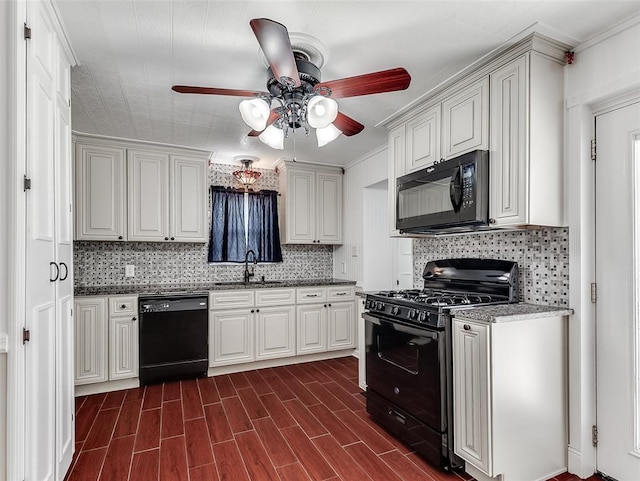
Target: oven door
407, 365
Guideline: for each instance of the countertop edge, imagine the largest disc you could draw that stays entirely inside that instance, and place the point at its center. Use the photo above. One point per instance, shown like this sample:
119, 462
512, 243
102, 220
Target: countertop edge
511, 312
221, 286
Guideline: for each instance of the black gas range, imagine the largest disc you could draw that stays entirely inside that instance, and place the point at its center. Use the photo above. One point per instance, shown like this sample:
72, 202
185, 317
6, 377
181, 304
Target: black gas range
408, 349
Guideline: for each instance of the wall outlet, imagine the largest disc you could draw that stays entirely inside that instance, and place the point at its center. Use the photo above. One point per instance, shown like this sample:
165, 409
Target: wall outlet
129, 271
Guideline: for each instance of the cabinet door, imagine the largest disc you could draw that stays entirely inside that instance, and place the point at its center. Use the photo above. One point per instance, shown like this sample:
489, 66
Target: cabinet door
301, 207
91, 340
100, 193
231, 337
329, 208
341, 320
471, 381
123, 347
508, 156
188, 199
148, 190
312, 328
276, 334
397, 168
465, 120
423, 139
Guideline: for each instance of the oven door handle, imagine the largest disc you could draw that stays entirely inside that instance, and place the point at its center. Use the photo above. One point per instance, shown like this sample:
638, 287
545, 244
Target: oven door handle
401, 327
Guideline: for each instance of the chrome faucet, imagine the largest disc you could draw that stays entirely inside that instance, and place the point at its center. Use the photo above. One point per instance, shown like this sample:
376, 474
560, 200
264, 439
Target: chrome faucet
249, 274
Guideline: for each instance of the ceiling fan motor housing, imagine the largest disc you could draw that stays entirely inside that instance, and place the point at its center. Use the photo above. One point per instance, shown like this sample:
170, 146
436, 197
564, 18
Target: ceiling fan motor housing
309, 76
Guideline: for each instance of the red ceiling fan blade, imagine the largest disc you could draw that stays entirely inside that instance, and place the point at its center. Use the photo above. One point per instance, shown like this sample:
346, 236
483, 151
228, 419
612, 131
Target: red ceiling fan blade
367, 84
273, 116
347, 125
273, 38
186, 89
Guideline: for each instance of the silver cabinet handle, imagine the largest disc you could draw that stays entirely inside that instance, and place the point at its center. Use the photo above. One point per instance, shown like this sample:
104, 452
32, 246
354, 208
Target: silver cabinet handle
312, 295
341, 293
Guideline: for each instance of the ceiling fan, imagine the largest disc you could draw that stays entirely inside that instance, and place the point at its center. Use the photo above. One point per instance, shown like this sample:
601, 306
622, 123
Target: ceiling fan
299, 98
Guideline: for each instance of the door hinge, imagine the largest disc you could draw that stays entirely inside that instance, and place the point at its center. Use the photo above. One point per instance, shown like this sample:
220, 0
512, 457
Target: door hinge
593, 149
26, 183
594, 435
26, 335
27, 31
594, 292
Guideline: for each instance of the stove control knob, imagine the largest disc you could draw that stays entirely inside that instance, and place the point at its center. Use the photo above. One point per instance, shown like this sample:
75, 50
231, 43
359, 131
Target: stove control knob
412, 314
395, 310
380, 306
422, 317
367, 305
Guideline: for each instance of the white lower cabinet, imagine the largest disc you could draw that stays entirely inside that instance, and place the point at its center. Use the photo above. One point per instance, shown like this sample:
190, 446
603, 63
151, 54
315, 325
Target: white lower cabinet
510, 398
231, 337
342, 323
123, 337
90, 340
271, 323
312, 328
106, 339
276, 332
261, 325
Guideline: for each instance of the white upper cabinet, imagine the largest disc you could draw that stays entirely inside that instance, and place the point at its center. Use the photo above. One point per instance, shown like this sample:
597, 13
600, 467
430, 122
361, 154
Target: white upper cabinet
311, 204
148, 195
512, 106
526, 142
100, 192
423, 140
465, 119
128, 191
188, 212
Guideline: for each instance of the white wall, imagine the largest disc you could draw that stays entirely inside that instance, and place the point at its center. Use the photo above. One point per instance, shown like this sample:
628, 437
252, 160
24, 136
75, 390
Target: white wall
366, 171
605, 68
377, 246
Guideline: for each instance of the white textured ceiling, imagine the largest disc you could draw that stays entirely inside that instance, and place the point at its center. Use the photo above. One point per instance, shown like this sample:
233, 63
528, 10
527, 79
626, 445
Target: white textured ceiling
131, 52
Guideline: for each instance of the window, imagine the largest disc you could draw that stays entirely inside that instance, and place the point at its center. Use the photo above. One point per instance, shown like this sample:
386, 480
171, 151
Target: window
242, 221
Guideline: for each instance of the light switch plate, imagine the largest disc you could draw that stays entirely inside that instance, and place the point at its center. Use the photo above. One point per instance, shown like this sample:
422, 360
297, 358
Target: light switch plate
129, 271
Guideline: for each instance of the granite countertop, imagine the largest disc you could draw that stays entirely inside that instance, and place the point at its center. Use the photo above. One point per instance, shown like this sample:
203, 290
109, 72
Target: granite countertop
509, 312
211, 286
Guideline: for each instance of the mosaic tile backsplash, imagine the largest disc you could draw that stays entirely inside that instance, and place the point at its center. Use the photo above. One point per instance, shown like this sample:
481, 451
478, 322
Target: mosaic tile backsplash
103, 263
542, 256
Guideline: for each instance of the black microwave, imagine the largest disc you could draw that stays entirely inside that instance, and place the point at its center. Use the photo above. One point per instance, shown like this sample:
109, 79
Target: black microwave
451, 195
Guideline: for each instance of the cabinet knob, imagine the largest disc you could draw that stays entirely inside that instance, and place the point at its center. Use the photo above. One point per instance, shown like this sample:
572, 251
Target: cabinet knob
467, 327
252, 311
173, 238
492, 221
119, 237
166, 238
325, 305
257, 310
123, 306
134, 318
329, 305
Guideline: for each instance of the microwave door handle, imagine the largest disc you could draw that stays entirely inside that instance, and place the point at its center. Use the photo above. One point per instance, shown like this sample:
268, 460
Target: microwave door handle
455, 190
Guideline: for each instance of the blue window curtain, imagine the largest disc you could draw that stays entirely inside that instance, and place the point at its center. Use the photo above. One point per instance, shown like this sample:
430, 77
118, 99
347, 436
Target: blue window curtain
263, 232
227, 242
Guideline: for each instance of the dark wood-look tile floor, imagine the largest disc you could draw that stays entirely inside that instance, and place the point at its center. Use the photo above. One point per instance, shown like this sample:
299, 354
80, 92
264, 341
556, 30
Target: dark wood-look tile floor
305, 422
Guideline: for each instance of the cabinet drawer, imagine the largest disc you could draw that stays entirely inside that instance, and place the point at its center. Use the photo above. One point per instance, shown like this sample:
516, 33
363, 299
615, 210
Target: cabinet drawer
275, 297
227, 299
340, 293
309, 295
123, 305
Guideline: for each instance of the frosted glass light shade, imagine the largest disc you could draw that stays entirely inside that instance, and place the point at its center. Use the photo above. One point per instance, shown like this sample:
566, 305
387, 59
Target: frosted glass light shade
321, 111
273, 137
255, 113
328, 134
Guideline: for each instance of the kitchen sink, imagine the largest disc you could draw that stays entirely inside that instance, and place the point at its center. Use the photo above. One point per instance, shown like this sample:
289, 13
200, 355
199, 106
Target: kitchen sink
250, 283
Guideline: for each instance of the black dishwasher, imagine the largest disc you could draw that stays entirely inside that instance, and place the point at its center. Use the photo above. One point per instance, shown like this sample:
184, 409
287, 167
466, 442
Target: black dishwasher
174, 336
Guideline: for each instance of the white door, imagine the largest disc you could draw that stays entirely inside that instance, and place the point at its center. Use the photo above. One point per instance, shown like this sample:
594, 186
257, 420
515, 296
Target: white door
618, 280
188, 193
329, 208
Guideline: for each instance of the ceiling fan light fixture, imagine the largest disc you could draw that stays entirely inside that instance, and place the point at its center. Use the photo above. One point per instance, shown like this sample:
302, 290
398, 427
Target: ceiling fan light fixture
273, 137
327, 134
321, 111
255, 113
